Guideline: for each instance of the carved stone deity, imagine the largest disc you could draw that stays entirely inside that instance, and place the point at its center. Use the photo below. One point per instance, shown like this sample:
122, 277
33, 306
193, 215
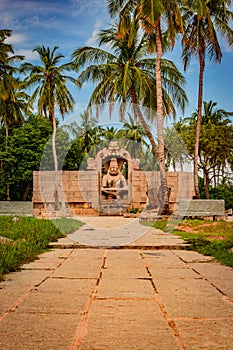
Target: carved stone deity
114, 183
114, 177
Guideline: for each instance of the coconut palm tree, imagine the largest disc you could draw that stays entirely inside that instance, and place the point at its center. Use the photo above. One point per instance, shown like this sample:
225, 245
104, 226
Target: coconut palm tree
134, 137
204, 20
13, 104
12, 97
51, 92
11, 93
126, 74
153, 15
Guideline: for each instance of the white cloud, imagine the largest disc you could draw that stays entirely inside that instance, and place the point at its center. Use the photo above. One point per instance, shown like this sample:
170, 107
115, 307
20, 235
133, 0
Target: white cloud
82, 6
92, 40
16, 39
29, 55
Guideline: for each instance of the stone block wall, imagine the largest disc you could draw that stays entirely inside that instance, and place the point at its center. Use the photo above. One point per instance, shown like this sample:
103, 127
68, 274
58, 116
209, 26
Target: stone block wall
16, 208
139, 189
79, 191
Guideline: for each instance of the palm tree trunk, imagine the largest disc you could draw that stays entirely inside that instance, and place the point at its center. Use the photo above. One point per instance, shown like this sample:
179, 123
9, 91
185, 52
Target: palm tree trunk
139, 115
164, 205
206, 185
7, 182
198, 125
56, 195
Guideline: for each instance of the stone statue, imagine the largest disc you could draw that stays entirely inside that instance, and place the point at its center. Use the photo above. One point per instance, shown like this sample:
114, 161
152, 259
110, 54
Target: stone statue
114, 177
114, 183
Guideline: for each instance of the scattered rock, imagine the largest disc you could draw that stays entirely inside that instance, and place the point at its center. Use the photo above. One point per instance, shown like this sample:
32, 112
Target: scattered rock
15, 219
5, 240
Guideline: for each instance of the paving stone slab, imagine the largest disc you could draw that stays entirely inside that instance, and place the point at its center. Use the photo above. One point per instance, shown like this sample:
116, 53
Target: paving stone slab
59, 296
191, 256
124, 263
9, 297
82, 263
194, 304
25, 278
30, 331
164, 259
128, 325
48, 303
125, 288
158, 238
48, 260
221, 276
206, 334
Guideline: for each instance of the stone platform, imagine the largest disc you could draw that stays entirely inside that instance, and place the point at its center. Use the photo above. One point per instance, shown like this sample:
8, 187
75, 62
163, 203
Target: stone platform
149, 294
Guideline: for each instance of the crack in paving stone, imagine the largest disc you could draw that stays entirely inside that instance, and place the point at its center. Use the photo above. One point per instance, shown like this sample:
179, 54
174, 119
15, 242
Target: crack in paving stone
126, 298
21, 299
72, 278
202, 318
82, 327
171, 322
121, 247
224, 296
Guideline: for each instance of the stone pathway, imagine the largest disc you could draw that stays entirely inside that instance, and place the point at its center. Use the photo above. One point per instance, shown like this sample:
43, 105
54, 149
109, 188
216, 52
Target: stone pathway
150, 294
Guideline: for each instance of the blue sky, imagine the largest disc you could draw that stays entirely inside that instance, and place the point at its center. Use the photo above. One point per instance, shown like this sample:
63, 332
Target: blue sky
70, 24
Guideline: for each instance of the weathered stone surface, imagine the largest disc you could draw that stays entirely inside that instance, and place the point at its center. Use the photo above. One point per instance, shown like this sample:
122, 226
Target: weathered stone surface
201, 207
127, 324
83, 187
38, 331
113, 299
206, 334
16, 208
87, 264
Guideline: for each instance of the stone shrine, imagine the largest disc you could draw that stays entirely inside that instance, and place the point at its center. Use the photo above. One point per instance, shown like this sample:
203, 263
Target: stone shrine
112, 184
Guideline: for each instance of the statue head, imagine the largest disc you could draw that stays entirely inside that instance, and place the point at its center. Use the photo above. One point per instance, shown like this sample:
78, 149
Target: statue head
113, 167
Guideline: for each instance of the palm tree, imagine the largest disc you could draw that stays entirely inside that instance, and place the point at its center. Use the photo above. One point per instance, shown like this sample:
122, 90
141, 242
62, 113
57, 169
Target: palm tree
5, 49
126, 74
12, 97
13, 104
133, 135
11, 94
153, 16
213, 154
203, 21
111, 133
51, 92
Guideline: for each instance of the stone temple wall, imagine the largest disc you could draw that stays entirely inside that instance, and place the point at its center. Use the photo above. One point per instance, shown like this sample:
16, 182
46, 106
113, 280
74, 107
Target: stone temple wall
78, 191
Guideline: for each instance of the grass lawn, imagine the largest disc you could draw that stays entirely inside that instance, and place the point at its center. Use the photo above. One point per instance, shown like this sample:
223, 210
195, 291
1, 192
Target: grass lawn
214, 238
21, 240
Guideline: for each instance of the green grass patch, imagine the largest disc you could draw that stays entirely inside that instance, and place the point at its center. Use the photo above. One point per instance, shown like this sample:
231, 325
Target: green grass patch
213, 238
27, 237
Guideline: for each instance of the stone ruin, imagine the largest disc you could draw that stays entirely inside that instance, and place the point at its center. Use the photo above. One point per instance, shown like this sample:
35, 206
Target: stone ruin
112, 184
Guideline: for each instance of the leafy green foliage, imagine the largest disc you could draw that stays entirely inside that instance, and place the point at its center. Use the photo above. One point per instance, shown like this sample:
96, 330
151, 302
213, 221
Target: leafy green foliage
23, 155
29, 237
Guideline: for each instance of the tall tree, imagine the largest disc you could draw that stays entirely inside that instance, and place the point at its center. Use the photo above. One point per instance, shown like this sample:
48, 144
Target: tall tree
134, 137
51, 92
204, 21
126, 74
12, 97
153, 15
216, 142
